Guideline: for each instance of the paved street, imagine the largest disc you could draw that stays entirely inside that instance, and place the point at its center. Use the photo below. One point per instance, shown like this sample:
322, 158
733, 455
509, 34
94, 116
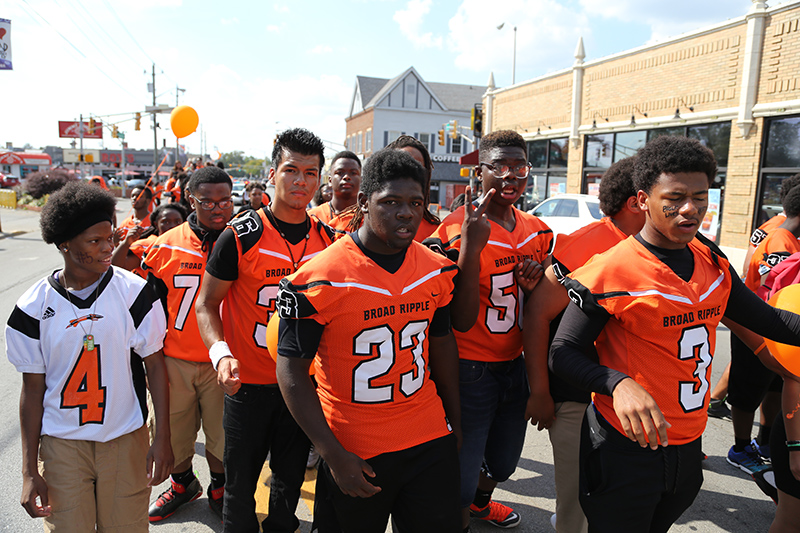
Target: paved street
729, 500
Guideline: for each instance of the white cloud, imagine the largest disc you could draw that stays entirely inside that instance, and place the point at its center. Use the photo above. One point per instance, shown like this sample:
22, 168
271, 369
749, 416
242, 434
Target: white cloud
321, 49
230, 21
410, 21
547, 33
281, 8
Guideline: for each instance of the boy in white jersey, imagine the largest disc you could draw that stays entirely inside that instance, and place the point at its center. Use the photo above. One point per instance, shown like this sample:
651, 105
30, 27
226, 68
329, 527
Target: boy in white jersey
79, 338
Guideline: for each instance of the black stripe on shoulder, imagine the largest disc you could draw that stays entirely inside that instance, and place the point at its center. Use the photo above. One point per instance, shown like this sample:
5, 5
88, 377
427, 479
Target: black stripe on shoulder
442, 248
606, 295
248, 227
292, 303
583, 297
142, 305
323, 228
448, 268
24, 323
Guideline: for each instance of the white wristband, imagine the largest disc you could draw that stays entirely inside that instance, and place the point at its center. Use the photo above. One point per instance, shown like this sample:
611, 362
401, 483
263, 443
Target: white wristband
218, 351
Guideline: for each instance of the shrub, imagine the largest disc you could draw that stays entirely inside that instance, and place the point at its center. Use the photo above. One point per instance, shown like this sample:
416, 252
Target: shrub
45, 182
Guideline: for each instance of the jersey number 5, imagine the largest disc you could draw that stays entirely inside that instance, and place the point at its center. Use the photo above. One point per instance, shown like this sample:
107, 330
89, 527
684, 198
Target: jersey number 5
504, 297
694, 345
83, 389
383, 339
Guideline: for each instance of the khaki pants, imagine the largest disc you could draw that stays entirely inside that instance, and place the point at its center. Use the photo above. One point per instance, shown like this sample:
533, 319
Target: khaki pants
96, 483
565, 437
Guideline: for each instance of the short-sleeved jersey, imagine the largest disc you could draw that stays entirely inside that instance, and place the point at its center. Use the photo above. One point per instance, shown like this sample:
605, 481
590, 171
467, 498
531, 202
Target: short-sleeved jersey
764, 229
338, 222
574, 250
661, 331
263, 260
497, 334
779, 244
177, 259
138, 248
373, 373
95, 395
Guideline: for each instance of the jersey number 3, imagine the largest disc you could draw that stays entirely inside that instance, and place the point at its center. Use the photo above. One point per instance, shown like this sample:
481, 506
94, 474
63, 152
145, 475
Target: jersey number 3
83, 389
694, 345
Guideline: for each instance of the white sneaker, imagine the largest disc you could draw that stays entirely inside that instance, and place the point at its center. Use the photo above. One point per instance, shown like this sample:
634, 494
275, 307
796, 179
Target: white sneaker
553, 521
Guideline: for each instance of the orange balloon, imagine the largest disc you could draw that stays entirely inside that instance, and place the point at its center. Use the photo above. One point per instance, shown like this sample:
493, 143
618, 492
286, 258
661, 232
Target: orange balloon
788, 299
272, 341
183, 120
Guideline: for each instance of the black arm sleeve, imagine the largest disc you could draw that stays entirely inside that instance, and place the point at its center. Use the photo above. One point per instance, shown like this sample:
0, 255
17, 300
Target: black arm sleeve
440, 325
299, 337
161, 290
224, 260
568, 352
750, 311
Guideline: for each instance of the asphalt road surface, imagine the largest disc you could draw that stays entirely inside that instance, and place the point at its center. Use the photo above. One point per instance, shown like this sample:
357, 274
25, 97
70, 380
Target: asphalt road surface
728, 501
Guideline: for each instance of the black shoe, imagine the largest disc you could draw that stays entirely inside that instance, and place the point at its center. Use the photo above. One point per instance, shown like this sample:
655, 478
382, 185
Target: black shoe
718, 409
172, 498
215, 497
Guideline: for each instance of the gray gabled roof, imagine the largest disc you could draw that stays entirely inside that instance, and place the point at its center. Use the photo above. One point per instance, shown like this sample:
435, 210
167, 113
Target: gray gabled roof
369, 87
458, 97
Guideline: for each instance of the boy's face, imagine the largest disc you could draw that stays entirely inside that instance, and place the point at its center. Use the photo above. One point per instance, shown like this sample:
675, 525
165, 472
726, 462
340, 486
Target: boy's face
391, 216
509, 188
139, 198
217, 217
91, 249
296, 179
675, 208
345, 178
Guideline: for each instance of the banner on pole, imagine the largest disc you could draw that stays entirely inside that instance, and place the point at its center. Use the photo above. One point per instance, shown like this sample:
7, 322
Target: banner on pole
5, 44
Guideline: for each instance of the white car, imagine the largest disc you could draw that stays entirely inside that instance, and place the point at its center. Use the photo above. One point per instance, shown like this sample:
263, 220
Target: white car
566, 213
237, 195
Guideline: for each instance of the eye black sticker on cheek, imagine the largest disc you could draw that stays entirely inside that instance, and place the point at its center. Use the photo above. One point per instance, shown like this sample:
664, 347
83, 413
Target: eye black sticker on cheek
670, 211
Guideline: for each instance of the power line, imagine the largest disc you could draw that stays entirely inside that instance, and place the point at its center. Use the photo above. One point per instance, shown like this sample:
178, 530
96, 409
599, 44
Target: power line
113, 12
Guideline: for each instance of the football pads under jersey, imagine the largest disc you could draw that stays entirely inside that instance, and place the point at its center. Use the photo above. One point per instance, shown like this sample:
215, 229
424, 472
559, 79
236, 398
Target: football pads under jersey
497, 334
95, 395
661, 331
373, 373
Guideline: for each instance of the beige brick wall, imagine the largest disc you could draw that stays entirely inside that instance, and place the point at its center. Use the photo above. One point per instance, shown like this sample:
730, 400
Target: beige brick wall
780, 61
741, 185
536, 105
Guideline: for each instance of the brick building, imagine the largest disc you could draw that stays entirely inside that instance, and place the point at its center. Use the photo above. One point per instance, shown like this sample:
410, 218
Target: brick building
735, 86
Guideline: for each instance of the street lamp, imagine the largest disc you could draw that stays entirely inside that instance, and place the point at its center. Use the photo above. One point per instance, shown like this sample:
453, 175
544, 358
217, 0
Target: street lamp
514, 60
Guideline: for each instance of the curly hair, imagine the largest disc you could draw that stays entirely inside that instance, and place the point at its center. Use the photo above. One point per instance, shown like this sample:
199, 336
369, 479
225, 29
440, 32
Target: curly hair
407, 141
787, 185
298, 140
791, 204
616, 186
671, 155
501, 139
208, 175
67, 211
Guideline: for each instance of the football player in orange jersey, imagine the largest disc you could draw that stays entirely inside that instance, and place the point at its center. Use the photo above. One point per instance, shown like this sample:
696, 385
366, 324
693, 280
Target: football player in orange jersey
542, 315
499, 250
650, 306
175, 264
374, 308
235, 302
345, 177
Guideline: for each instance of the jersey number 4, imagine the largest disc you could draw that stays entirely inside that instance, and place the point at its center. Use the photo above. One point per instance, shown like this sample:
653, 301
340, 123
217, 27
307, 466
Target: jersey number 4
694, 345
382, 338
83, 389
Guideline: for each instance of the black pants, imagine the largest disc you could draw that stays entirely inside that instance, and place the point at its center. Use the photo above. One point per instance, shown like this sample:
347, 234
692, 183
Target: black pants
257, 421
624, 487
419, 489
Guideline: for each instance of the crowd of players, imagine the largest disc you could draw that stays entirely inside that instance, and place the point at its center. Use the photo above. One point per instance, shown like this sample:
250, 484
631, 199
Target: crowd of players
411, 352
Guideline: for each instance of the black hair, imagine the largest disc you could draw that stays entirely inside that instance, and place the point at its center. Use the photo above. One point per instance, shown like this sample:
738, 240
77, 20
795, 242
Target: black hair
670, 155
346, 154
254, 185
788, 184
208, 175
158, 211
146, 190
220, 164
389, 165
791, 204
298, 140
317, 199
616, 186
501, 139
406, 141
71, 204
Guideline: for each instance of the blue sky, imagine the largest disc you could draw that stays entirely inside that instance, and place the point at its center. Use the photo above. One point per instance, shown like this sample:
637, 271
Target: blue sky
253, 68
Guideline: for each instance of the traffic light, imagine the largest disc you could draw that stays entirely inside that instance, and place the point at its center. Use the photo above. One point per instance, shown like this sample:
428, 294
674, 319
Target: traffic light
454, 131
92, 125
138, 125
114, 131
477, 120
441, 136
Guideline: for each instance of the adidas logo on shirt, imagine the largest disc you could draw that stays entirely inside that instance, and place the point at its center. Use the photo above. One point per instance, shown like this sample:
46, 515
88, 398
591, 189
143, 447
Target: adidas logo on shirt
48, 313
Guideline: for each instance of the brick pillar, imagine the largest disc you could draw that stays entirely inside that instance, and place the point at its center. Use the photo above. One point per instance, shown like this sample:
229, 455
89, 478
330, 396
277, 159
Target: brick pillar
741, 185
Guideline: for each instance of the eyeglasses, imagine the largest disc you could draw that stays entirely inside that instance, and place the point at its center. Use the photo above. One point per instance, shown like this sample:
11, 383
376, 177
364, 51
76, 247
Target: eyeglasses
208, 206
501, 171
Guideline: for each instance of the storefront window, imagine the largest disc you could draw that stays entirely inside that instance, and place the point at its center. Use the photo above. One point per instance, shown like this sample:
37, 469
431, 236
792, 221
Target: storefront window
559, 152
537, 154
715, 136
628, 143
599, 150
783, 143
679, 131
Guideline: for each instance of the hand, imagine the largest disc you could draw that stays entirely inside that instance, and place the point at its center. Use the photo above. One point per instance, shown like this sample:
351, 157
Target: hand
639, 414
476, 227
540, 410
118, 235
528, 273
133, 234
228, 375
159, 461
34, 487
348, 472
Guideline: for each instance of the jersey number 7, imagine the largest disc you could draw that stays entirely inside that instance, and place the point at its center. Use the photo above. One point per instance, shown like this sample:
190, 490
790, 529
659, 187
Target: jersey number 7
83, 389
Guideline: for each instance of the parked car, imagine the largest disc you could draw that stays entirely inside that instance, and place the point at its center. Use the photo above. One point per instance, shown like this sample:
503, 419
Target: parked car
8, 181
237, 195
566, 213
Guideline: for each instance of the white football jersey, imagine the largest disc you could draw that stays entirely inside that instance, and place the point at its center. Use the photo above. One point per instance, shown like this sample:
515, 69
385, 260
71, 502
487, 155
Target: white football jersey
91, 395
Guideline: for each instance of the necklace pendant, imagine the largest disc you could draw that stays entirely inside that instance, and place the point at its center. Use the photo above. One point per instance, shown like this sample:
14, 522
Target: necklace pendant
88, 342
295, 266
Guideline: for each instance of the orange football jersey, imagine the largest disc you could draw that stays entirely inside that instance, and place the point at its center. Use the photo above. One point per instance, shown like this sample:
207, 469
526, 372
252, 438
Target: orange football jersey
129, 222
425, 230
176, 258
138, 248
764, 229
662, 330
497, 334
778, 244
338, 222
574, 250
373, 373
264, 259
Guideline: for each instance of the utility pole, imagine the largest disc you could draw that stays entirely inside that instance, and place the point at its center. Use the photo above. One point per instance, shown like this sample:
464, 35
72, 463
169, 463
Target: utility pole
80, 128
155, 130
178, 92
